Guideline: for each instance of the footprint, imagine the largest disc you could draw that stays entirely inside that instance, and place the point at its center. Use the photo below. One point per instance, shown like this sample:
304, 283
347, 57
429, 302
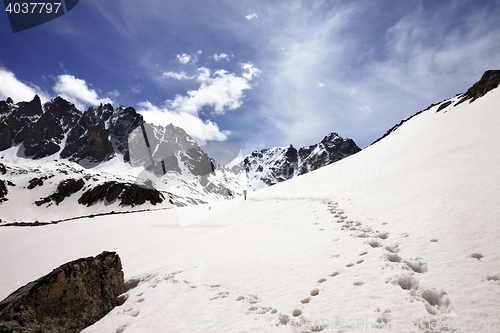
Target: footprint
334, 274
406, 282
359, 261
435, 300
140, 300
349, 265
283, 319
393, 248
297, 312
314, 292
374, 243
134, 313
416, 265
222, 294
321, 280
261, 310
434, 240
477, 256
305, 300
493, 278
121, 329
358, 283
362, 254
393, 257
252, 299
213, 286
383, 235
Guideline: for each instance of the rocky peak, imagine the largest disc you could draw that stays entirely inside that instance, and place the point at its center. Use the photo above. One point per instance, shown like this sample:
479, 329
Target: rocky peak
33, 108
274, 165
489, 81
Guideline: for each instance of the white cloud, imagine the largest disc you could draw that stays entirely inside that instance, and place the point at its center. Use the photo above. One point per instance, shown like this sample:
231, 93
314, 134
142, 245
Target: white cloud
76, 91
19, 91
221, 90
191, 123
249, 71
176, 76
320, 85
184, 58
221, 56
251, 16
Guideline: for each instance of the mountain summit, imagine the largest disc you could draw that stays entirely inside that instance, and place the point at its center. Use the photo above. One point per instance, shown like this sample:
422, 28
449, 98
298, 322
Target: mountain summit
271, 166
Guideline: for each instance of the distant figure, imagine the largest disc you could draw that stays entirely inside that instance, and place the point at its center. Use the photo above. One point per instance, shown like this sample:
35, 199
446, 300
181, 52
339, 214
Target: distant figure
209, 208
245, 194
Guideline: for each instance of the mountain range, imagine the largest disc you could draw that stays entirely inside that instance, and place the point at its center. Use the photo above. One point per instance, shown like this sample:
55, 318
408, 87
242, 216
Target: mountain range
104, 155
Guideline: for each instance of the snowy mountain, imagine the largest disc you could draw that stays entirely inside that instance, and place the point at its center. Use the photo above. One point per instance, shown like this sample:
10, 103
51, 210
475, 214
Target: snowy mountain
402, 236
271, 166
54, 145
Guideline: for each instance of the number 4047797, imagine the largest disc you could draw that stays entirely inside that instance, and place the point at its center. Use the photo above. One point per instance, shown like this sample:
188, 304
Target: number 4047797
33, 7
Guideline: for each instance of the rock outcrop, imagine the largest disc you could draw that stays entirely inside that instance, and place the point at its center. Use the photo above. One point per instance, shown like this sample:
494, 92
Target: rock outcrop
68, 299
128, 194
489, 81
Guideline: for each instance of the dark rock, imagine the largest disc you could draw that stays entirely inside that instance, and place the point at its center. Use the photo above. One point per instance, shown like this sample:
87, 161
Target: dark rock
3, 191
443, 106
489, 81
101, 133
88, 142
6, 136
65, 189
128, 194
36, 182
47, 133
68, 299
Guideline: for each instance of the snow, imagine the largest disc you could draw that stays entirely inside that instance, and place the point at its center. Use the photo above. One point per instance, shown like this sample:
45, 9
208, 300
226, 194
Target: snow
404, 231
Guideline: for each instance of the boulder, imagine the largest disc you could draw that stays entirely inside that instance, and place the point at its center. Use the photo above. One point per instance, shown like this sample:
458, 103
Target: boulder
70, 298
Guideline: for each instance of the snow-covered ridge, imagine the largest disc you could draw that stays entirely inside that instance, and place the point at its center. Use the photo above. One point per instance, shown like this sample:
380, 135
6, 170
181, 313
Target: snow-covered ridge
271, 166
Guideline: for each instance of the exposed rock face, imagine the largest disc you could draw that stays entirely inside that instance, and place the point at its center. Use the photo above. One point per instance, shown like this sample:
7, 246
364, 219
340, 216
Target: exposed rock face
128, 194
68, 299
274, 165
489, 81
16, 120
3, 191
45, 136
65, 188
100, 134
170, 144
93, 136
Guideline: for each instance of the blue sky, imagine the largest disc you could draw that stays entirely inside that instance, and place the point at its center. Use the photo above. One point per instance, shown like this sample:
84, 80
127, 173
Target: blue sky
257, 73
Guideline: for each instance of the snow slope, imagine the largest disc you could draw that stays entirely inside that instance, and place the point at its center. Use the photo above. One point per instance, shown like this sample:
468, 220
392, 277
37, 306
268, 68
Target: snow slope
405, 231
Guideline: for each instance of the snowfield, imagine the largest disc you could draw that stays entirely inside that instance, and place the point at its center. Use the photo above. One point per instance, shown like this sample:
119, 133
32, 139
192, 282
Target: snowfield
402, 236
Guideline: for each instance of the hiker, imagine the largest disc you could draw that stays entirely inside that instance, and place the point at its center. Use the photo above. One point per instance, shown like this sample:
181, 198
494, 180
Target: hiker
245, 194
